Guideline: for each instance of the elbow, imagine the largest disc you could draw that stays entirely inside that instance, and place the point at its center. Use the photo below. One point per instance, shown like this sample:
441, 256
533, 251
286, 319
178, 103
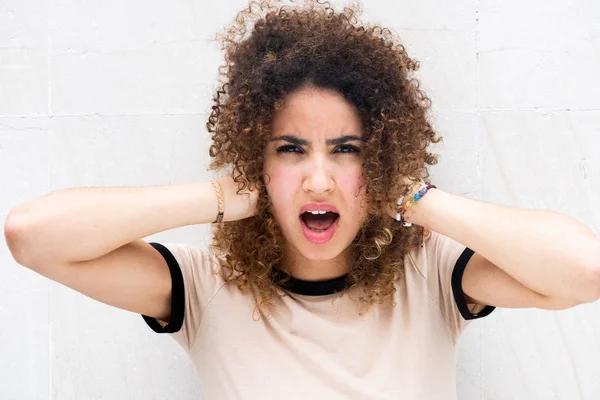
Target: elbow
593, 269
591, 293
14, 226
596, 274
595, 292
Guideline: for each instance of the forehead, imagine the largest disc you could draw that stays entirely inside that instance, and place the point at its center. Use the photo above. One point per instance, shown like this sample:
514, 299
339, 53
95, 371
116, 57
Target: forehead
316, 113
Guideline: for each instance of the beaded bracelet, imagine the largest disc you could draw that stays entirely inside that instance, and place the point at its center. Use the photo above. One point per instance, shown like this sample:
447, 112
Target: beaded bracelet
410, 202
220, 199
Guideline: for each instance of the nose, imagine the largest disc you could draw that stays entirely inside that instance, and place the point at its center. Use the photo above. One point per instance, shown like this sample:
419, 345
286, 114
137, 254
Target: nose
318, 177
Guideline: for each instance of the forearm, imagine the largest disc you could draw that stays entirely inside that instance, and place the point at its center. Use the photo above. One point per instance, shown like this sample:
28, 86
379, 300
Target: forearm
80, 224
547, 252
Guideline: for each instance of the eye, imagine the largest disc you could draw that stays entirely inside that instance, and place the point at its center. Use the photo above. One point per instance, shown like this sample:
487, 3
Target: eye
348, 149
290, 148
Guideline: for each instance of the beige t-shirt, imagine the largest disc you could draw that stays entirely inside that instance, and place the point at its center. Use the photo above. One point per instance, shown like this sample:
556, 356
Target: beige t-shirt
315, 345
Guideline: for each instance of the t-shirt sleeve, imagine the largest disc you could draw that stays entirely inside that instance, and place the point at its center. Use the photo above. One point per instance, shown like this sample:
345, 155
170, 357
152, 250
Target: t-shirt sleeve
194, 282
446, 263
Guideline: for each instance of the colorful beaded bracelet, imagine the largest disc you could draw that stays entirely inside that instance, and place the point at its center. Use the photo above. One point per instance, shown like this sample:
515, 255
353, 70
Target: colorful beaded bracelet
410, 202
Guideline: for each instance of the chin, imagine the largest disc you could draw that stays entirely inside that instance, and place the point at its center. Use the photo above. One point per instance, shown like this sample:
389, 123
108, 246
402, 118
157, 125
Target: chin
324, 252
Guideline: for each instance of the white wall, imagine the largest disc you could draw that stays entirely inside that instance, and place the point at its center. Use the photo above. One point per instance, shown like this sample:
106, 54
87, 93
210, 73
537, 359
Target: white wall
117, 93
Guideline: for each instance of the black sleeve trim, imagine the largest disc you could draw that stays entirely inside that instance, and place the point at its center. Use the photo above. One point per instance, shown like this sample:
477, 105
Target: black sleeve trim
459, 296
178, 295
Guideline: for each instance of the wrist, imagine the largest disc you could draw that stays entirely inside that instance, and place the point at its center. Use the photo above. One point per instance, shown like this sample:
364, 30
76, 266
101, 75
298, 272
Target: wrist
414, 189
420, 212
220, 201
237, 205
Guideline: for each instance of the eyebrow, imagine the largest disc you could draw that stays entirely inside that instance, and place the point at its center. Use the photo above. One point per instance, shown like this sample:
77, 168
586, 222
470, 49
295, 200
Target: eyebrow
303, 142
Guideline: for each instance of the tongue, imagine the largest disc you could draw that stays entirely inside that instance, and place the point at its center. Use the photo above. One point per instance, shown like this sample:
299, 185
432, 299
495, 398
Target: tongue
319, 221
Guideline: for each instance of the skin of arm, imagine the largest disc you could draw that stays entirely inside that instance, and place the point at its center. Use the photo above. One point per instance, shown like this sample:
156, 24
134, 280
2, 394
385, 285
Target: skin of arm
547, 252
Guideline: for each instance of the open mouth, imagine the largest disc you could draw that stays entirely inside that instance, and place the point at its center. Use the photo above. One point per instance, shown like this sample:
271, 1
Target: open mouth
319, 222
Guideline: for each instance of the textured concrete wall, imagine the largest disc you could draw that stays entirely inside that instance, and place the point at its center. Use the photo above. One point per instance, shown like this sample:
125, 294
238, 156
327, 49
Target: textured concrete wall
117, 94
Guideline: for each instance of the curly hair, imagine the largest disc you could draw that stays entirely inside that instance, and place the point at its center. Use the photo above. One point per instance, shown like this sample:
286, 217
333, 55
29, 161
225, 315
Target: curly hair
312, 44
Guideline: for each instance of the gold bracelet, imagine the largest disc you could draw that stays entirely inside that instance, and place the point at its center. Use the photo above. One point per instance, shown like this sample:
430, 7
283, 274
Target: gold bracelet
217, 187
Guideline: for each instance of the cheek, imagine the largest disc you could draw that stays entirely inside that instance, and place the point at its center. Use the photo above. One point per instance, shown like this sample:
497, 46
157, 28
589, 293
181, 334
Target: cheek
283, 184
351, 181
350, 184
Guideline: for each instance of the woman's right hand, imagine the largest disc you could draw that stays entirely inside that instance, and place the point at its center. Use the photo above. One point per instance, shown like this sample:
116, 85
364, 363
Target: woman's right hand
237, 206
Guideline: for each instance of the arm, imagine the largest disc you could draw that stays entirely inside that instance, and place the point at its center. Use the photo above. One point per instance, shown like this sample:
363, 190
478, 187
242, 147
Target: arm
89, 239
81, 224
553, 256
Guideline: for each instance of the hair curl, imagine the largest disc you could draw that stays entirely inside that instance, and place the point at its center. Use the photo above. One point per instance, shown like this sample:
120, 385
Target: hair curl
288, 48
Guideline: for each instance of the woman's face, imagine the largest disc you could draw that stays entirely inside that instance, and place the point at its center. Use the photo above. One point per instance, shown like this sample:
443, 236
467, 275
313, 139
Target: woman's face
315, 156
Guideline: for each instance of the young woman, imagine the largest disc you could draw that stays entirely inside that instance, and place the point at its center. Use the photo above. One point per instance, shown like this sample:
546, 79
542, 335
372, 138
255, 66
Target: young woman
337, 270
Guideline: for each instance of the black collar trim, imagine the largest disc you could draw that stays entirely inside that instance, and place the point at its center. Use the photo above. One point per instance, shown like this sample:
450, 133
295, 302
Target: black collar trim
311, 288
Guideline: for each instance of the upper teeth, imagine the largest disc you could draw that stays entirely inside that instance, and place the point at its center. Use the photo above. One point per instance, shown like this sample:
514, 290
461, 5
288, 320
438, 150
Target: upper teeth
317, 212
